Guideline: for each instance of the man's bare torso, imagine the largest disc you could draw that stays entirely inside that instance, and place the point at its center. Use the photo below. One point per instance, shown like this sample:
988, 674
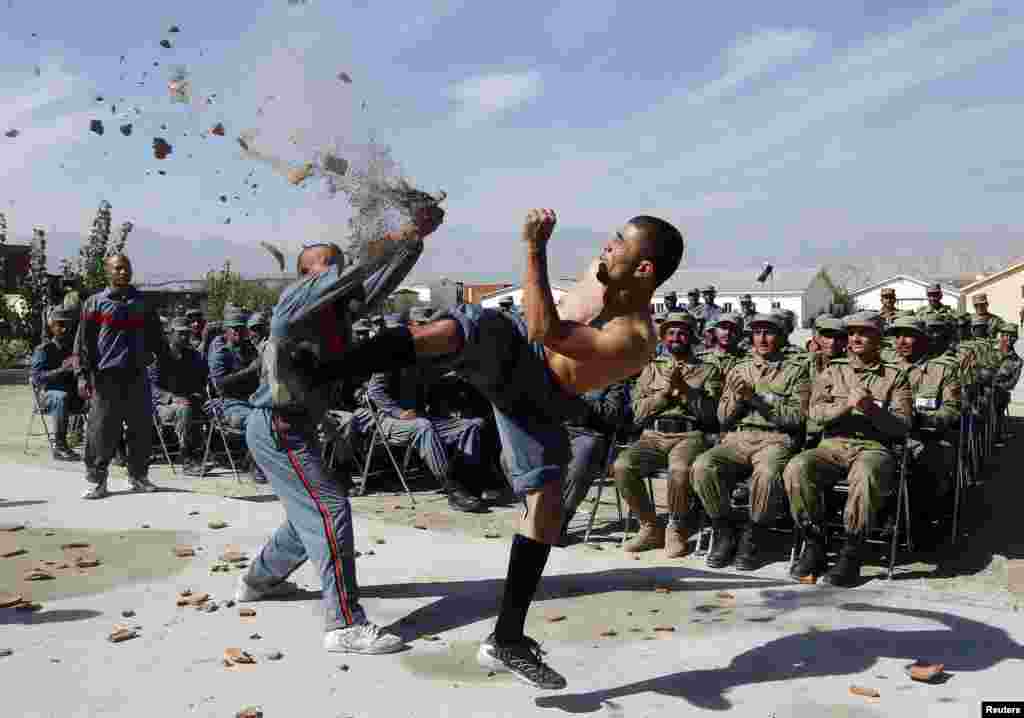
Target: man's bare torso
584, 303
577, 376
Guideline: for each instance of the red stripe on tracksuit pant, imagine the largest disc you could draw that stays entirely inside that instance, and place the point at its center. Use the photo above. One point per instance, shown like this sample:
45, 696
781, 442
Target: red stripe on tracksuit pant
318, 524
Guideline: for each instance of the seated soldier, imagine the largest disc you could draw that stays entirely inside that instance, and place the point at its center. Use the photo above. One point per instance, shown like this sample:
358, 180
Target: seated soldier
726, 332
401, 398
863, 405
178, 381
762, 411
197, 326
1007, 375
935, 383
259, 329
234, 368
675, 401
829, 344
605, 412
211, 331
53, 380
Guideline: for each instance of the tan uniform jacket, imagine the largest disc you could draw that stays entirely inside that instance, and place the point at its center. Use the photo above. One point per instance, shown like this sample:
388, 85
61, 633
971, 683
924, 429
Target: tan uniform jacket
724, 360
887, 384
937, 392
782, 390
652, 393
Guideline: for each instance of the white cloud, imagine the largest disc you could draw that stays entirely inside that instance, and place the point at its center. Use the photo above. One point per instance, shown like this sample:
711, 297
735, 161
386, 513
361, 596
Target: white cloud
753, 55
485, 96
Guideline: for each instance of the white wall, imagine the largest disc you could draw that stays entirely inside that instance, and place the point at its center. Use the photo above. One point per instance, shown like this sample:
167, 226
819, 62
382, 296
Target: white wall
516, 293
909, 296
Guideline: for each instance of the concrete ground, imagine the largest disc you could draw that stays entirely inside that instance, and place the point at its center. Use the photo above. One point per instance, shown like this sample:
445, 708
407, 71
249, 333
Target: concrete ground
634, 637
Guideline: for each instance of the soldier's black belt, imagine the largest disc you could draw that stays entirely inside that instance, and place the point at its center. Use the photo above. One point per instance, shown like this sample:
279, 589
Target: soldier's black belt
673, 426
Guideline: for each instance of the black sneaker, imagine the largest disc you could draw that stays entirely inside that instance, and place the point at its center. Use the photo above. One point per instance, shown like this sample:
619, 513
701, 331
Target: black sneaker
461, 500
522, 659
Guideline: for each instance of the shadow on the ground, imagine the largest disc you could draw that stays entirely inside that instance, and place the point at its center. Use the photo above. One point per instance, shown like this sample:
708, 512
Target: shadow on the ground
961, 644
4, 504
9, 616
462, 603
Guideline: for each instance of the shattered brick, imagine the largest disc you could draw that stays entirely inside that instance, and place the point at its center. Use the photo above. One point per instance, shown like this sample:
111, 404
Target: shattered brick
8, 600
122, 634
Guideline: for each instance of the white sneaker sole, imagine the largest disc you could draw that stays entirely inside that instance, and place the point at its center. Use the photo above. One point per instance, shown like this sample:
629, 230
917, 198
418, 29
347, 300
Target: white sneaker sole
369, 652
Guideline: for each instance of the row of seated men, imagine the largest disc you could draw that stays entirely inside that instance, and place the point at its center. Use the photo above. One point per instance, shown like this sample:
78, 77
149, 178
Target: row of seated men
178, 381
796, 424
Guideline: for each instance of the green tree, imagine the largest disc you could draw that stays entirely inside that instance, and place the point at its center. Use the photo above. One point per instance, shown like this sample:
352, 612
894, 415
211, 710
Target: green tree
228, 287
93, 254
37, 288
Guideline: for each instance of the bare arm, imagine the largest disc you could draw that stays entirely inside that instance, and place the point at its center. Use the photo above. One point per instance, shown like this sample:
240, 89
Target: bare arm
542, 320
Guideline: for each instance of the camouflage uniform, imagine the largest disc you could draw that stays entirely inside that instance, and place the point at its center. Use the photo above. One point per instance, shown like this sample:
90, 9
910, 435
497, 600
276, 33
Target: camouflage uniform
762, 435
935, 383
673, 436
854, 444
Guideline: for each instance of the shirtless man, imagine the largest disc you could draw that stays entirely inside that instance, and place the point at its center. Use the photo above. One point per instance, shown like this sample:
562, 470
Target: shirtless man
532, 367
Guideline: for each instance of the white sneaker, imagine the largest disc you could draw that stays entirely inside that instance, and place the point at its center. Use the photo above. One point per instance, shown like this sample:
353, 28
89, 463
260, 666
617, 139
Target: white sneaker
96, 491
365, 638
247, 594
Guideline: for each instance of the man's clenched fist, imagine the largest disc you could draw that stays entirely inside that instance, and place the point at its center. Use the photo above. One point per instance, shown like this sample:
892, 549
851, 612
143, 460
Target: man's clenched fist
539, 225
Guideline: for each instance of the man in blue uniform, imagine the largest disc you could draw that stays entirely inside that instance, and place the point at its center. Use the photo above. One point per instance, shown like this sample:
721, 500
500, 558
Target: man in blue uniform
53, 378
116, 339
308, 326
234, 369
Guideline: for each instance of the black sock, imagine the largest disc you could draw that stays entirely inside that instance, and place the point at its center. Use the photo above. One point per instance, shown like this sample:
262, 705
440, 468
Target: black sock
525, 565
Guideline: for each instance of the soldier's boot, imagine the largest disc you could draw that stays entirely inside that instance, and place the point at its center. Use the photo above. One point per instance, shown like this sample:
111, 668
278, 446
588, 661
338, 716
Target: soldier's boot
813, 561
747, 554
675, 541
846, 572
650, 536
724, 549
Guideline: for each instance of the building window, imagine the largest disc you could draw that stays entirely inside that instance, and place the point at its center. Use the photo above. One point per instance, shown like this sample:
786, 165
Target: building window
727, 307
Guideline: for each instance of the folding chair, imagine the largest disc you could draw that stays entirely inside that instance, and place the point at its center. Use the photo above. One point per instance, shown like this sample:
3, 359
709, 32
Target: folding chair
38, 410
219, 424
897, 531
158, 429
377, 438
600, 480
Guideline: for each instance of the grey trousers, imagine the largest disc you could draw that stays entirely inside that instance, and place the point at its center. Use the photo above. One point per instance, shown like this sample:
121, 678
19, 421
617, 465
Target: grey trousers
120, 398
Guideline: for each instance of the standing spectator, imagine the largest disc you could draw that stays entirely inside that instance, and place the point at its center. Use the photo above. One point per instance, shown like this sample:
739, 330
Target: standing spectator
178, 381
116, 338
53, 378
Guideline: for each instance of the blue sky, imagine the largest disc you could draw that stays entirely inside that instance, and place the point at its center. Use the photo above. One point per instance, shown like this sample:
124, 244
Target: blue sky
761, 129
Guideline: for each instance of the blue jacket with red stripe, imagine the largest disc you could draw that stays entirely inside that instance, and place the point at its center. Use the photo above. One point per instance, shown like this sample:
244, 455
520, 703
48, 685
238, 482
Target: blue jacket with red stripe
117, 331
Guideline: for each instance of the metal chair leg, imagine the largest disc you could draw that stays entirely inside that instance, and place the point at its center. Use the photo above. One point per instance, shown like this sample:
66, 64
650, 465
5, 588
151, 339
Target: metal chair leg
593, 509
163, 444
